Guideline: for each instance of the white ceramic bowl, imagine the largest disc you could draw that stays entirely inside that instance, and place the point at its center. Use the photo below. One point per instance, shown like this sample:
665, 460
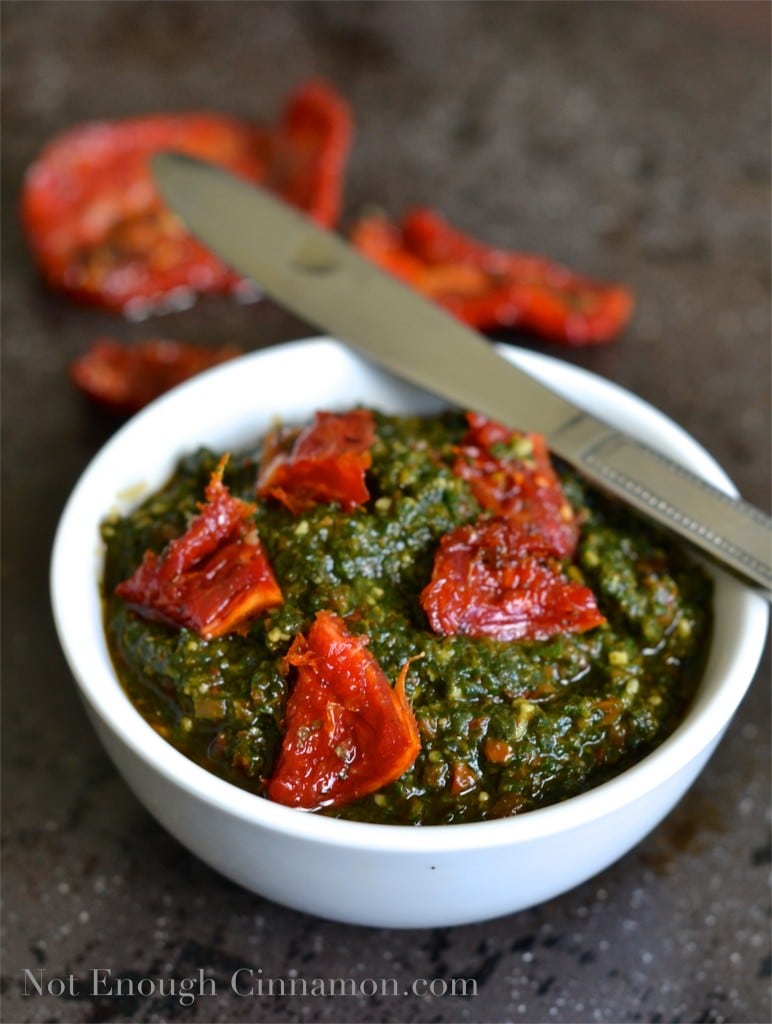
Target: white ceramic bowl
397, 876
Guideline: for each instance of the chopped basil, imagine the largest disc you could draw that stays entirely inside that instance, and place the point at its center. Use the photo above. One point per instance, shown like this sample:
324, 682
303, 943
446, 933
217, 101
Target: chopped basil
505, 727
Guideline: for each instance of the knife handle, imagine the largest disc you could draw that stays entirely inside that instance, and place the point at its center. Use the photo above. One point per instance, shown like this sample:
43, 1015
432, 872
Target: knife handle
732, 530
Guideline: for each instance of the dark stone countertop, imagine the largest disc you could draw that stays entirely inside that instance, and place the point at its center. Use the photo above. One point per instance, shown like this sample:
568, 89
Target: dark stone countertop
627, 140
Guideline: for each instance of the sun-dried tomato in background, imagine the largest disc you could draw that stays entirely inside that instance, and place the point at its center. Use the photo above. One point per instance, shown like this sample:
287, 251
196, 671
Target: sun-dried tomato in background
124, 378
100, 232
492, 288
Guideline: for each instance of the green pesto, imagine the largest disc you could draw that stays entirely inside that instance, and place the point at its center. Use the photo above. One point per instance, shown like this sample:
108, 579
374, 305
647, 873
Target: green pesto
505, 727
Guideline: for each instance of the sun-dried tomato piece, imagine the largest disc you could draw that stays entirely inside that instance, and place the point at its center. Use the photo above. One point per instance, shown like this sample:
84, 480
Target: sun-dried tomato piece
126, 377
308, 151
325, 462
495, 579
492, 288
511, 475
348, 732
100, 231
213, 579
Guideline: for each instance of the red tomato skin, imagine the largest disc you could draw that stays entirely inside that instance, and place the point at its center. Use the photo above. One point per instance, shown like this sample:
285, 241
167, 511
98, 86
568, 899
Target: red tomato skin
494, 579
348, 732
213, 579
525, 490
326, 463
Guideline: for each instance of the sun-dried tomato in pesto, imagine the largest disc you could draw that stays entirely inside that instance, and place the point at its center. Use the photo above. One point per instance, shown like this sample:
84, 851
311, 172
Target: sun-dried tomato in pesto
505, 726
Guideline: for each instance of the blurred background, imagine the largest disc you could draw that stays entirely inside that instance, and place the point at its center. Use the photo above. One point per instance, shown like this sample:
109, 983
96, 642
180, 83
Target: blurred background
630, 141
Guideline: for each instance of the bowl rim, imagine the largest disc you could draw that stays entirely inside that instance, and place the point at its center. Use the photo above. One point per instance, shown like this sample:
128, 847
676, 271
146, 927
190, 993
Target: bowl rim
103, 694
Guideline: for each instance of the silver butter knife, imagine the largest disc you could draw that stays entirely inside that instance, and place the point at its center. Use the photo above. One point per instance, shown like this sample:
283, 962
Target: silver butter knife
320, 277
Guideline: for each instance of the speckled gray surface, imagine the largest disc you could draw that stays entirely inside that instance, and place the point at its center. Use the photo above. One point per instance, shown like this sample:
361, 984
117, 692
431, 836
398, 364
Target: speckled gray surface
629, 140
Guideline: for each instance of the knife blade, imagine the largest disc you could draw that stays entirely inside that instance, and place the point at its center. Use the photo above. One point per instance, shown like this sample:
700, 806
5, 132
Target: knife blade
323, 279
